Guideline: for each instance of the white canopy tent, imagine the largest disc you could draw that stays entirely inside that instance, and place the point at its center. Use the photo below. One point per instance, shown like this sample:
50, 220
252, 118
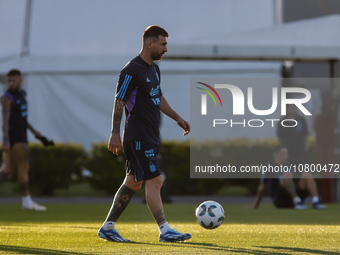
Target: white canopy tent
315, 39
71, 52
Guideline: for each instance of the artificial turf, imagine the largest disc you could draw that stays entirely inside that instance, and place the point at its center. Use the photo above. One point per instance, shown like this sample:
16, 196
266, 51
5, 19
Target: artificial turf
72, 229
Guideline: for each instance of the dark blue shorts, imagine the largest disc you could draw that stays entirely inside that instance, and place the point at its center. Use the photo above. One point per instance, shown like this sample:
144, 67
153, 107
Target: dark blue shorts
284, 199
141, 160
17, 135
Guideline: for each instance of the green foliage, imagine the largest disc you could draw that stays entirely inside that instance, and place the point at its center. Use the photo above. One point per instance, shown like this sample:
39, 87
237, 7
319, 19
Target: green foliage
51, 168
108, 170
238, 152
177, 156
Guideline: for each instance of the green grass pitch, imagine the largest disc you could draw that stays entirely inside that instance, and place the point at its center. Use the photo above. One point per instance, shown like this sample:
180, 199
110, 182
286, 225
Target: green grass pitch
72, 229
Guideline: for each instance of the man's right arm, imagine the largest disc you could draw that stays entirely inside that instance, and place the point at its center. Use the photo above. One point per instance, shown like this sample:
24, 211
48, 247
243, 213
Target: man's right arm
117, 113
5, 105
260, 193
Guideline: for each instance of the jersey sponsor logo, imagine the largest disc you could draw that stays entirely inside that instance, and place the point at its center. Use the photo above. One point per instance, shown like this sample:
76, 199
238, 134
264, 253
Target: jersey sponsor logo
154, 92
147, 80
149, 153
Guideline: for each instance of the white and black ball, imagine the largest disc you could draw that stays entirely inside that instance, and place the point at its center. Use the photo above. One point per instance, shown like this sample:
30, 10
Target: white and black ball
210, 214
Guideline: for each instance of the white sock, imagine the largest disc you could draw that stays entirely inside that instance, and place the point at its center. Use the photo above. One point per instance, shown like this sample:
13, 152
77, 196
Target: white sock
164, 227
27, 200
109, 225
297, 200
315, 199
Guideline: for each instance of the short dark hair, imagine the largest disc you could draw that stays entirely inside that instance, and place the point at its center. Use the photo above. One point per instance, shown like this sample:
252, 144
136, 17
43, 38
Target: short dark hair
14, 72
154, 31
278, 148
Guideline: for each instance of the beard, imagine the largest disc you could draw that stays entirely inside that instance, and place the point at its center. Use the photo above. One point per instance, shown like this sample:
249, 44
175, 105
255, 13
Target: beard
156, 56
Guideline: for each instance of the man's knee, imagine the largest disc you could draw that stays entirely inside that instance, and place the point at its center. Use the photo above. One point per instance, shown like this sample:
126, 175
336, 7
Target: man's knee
20, 153
23, 171
7, 169
287, 176
287, 179
306, 178
154, 183
307, 175
7, 164
131, 184
135, 187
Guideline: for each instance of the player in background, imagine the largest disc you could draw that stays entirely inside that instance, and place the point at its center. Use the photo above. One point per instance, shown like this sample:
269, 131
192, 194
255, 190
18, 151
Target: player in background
139, 93
282, 189
294, 138
14, 137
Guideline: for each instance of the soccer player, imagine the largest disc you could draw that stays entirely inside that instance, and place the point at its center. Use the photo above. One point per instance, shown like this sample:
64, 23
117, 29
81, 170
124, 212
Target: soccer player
139, 93
282, 188
294, 138
14, 140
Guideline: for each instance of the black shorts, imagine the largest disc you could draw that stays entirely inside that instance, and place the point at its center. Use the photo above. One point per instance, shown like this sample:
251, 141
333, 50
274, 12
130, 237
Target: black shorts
17, 135
141, 160
284, 199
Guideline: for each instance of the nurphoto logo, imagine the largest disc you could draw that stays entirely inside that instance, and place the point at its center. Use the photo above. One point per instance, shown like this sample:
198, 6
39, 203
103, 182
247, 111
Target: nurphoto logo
239, 104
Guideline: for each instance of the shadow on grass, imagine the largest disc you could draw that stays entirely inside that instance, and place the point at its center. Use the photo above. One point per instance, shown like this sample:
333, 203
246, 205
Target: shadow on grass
294, 249
218, 248
50, 226
28, 250
209, 247
203, 246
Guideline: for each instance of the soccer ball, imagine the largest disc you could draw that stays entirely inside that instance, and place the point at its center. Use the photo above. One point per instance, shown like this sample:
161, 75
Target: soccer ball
210, 214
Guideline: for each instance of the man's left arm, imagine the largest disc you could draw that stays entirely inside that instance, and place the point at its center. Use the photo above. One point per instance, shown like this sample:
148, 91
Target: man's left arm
167, 110
35, 132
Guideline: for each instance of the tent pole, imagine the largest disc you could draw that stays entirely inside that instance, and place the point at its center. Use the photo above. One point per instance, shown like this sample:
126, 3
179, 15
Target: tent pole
25, 42
332, 74
331, 68
278, 12
336, 181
